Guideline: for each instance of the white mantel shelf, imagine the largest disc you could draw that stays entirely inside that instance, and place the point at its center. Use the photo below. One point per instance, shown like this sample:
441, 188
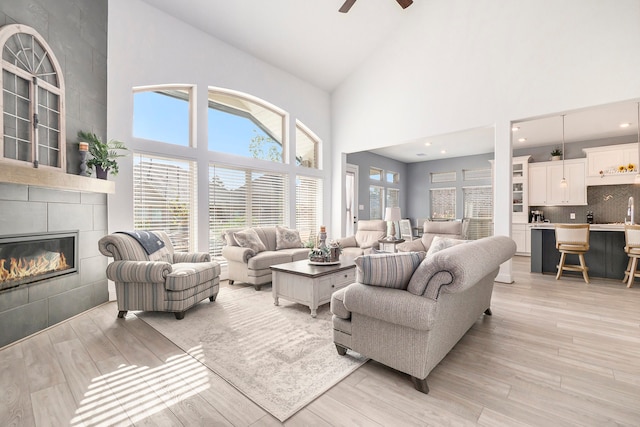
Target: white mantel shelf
49, 178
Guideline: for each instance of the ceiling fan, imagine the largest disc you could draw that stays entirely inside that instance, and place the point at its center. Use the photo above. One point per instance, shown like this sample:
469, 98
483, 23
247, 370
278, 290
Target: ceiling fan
347, 5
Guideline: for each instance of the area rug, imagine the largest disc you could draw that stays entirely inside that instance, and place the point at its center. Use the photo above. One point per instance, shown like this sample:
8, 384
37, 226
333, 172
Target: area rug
278, 356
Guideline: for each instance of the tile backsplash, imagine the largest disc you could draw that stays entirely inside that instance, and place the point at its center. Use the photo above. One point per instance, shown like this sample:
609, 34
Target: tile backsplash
608, 203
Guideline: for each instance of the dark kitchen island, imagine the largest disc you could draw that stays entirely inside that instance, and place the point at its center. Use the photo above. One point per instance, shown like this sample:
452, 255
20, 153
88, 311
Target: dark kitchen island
606, 257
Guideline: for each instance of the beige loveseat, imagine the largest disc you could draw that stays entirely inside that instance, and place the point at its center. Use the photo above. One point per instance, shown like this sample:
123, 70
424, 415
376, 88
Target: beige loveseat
366, 238
250, 266
409, 320
452, 229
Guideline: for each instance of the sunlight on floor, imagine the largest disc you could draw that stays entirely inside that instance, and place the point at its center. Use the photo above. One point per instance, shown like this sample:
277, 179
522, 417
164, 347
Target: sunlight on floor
141, 391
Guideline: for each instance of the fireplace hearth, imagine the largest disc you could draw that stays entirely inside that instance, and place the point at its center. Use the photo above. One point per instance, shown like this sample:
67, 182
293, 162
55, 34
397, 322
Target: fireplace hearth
31, 258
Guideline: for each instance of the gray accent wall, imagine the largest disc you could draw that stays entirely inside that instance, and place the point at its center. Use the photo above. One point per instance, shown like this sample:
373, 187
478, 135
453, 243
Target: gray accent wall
419, 175
366, 160
76, 31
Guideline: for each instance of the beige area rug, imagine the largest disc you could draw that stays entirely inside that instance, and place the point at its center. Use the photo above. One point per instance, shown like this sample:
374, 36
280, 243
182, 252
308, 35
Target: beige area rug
279, 357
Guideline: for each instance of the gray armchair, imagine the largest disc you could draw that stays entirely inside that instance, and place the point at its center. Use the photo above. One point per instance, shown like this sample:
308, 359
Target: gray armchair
453, 229
161, 281
366, 238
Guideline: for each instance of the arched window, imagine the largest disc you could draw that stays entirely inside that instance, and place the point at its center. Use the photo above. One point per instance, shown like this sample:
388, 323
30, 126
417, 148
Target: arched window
246, 126
32, 103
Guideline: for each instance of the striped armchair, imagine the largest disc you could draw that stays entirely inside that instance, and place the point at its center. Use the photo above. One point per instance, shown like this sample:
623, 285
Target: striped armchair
161, 281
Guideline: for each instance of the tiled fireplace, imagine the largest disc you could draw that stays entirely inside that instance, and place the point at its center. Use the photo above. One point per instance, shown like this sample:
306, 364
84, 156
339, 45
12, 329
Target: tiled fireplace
46, 225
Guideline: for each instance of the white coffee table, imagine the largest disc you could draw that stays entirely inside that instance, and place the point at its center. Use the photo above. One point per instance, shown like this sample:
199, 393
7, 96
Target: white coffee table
311, 285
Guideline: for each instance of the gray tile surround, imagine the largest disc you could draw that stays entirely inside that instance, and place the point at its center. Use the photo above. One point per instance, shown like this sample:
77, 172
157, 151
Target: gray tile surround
31, 308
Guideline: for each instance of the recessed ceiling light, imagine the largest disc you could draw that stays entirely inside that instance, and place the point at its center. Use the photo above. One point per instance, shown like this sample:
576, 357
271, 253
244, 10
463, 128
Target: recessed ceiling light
625, 125
443, 151
515, 128
428, 144
522, 139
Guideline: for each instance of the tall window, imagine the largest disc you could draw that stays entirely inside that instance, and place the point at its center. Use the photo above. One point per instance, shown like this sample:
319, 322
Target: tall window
240, 197
443, 203
376, 202
307, 147
163, 114
393, 198
308, 206
478, 208
245, 126
32, 119
164, 198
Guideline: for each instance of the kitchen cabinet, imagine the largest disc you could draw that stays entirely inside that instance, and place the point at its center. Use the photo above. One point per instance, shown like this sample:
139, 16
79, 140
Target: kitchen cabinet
607, 160
520, 189
521, 234
545, 188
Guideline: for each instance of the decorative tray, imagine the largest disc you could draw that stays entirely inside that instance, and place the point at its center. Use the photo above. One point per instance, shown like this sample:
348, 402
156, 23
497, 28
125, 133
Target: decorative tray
324, 263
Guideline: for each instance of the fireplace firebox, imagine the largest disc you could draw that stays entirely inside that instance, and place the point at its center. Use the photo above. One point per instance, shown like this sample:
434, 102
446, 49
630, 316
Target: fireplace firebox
33, 257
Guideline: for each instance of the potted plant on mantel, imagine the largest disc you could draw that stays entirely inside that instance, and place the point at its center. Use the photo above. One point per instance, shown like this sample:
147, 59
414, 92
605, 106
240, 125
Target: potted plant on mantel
104, 154
556, 154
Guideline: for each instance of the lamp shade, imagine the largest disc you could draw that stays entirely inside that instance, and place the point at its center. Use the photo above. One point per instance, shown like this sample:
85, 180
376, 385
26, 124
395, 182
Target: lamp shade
392, 214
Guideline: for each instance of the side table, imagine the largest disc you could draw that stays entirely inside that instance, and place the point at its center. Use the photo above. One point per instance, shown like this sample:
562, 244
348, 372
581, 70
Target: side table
389, 245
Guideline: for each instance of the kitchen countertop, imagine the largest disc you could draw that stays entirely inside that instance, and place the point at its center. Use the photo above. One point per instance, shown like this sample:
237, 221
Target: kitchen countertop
593, 227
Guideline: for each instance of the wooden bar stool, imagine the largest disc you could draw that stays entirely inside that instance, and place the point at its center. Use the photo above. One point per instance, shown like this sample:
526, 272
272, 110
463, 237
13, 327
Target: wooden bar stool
632, 248
572, 239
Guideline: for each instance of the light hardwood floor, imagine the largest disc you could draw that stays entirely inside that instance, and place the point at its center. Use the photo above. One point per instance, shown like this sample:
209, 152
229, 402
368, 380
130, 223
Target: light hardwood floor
554, 353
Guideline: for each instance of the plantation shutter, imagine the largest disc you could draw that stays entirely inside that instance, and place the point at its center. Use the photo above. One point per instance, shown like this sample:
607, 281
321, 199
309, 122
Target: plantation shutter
240, 198
308, 206
164, 199
478, 208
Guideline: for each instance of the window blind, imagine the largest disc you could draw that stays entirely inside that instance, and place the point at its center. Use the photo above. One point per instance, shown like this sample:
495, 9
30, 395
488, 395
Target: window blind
443, 203
443, 177
308, 206
478, 208
240, 197
375, 202
164, 198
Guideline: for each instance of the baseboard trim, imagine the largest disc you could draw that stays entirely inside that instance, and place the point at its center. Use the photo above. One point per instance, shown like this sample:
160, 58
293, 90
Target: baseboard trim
504, 278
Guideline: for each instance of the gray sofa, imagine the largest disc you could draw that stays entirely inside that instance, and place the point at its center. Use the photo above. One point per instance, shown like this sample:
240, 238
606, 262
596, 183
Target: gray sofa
254, 268
412, 326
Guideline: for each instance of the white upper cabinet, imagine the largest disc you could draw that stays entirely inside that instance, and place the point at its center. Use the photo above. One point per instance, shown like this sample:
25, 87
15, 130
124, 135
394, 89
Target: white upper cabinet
604, 164
545, 188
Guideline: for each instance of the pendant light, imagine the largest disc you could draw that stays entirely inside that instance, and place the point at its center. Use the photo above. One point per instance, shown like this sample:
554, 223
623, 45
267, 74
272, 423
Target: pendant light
563, 181
637, 178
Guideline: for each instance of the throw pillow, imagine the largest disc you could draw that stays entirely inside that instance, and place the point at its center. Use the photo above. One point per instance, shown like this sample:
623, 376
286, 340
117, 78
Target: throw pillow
387, 270
287, 238
439, 243
249, 239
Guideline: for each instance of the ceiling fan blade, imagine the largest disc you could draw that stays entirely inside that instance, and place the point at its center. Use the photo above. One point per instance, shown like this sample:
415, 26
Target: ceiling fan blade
346, 6
405, 3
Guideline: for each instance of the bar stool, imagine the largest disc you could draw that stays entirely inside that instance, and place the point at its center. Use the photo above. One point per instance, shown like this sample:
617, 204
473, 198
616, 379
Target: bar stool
572, 239
632, 248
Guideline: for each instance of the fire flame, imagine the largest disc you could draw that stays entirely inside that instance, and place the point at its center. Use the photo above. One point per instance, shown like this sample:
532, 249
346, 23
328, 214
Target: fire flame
26, 267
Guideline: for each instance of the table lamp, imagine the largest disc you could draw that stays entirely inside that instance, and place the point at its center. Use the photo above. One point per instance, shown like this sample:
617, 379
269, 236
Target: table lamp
393, 215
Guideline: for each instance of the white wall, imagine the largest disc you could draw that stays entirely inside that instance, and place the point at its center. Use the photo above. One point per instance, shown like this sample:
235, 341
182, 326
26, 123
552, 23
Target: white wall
149, 47
462, 64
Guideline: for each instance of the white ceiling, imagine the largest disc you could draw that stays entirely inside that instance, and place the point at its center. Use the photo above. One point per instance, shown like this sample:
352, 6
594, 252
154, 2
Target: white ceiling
307, 38
316, 43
